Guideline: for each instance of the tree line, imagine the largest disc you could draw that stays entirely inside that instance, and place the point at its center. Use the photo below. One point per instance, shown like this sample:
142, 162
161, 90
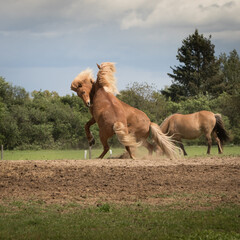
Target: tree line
45, 120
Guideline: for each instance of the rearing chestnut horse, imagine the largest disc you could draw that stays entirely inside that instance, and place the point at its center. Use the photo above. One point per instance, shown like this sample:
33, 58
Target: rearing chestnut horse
113, 116
191, 126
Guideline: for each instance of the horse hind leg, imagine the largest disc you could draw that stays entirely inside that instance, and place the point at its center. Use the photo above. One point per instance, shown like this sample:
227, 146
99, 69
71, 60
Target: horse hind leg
130, 152
220, 151
104, 142
126, 139
182, 147
209, 140
149, 147
105, 150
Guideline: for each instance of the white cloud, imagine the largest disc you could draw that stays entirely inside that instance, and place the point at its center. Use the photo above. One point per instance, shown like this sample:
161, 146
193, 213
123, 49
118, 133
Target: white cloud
227, 35
43, 37
59, 16
184, 13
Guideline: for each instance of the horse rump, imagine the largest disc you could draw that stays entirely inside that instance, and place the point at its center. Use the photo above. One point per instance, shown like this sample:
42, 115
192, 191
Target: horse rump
220, 130
124, 137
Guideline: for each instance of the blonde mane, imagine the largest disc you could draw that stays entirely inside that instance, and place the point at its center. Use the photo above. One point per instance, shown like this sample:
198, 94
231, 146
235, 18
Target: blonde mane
83, 77
106, 78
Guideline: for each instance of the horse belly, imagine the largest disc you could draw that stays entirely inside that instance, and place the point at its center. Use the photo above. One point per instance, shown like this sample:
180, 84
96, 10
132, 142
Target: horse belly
187, 131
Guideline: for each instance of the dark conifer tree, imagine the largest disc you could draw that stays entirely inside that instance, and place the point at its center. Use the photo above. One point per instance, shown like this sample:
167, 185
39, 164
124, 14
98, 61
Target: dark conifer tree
198, 71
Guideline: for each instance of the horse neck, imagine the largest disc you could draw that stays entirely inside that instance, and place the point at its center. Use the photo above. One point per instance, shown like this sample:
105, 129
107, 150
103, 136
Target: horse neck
95, 87
92, 92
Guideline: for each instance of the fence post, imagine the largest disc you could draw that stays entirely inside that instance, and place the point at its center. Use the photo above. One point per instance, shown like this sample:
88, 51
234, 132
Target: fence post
110, 151
90, 152
85, 154
1, 152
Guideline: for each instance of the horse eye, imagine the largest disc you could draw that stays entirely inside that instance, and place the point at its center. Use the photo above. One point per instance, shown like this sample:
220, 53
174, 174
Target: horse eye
80, 85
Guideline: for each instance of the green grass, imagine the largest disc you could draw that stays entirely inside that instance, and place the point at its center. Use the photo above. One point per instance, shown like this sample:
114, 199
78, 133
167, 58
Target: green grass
33, 220
79, 154
202, 150
52, 154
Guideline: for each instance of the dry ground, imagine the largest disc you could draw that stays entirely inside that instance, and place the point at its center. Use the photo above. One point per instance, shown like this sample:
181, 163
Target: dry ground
188, 182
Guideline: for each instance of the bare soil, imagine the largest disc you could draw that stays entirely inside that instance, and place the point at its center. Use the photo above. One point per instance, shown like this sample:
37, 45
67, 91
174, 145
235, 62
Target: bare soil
198, 182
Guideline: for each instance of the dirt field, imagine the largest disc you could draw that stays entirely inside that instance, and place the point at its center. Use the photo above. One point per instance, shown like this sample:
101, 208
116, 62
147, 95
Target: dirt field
199, 182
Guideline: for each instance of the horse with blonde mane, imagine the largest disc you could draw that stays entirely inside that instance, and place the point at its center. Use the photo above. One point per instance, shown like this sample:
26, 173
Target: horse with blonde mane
191, 126
113, 116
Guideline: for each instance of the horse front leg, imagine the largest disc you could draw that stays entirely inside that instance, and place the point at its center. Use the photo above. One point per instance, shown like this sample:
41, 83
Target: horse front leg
91, 140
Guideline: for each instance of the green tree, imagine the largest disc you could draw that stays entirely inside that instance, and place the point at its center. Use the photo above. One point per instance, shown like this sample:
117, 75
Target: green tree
58, 120
2, 113
141, 96
12, 94
228, 105
9, 131
198, 68
230, 69
45, 120
195, 104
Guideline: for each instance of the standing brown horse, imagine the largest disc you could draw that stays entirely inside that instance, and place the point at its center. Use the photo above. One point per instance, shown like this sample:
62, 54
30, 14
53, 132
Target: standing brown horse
113, 116
191, 126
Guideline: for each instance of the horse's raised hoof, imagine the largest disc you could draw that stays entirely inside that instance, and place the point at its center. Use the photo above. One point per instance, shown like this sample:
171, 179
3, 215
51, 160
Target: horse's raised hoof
92, 142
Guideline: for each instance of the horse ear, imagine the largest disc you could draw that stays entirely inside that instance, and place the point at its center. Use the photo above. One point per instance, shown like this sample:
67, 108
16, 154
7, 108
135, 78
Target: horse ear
92, 81
98, 66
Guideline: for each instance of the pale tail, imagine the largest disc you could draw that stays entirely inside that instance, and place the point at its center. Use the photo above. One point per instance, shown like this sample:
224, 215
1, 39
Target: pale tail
165, 142
123, 137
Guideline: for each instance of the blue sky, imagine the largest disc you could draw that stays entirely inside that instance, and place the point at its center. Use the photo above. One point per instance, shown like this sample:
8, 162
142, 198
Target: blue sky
44, 44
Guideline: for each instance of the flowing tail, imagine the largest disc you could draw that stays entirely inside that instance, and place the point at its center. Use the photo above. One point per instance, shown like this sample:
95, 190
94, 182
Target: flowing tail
125, 138
165, 142
220, 130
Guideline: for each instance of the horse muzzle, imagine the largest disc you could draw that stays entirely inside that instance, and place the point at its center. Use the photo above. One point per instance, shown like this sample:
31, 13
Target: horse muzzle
88, 104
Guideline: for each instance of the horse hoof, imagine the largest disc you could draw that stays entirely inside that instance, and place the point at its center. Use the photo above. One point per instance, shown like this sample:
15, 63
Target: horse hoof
92, 142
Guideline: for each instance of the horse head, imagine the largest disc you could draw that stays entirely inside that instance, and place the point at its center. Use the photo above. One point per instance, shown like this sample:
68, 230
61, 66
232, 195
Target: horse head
83, 84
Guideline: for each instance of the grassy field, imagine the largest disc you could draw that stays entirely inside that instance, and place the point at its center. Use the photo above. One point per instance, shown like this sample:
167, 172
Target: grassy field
80, 154
32, 220
37, 221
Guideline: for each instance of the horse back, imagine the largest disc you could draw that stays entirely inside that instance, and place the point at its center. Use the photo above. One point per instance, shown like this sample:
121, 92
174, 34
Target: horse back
189, 126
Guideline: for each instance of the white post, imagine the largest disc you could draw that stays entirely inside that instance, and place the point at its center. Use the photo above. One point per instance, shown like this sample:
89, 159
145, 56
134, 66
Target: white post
110, 151
85, 154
